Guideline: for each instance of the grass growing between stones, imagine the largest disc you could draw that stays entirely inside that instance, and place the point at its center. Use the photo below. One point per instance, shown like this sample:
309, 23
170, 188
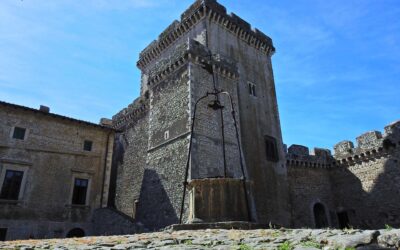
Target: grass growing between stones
243, 246
311, 244
388, 227
286, 246
188, 242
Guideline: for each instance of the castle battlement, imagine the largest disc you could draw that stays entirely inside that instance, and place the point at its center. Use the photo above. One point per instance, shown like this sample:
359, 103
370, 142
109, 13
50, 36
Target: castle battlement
136, 110
215, 12
300, 156
370, 145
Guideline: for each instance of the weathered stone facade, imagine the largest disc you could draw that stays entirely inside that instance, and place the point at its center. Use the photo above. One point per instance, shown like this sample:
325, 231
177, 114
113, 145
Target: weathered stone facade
238, 169
357, 186
207, 50
48, 156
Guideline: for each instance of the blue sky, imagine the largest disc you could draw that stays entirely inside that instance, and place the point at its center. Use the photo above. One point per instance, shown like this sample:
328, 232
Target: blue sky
337, 65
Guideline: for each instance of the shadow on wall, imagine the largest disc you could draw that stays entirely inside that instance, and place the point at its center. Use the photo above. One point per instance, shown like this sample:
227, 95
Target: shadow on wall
367, 189
372, 209
120, 144
358, 188
154, 210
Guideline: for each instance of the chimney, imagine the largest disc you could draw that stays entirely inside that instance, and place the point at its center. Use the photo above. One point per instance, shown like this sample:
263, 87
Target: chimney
106, 122
44, 109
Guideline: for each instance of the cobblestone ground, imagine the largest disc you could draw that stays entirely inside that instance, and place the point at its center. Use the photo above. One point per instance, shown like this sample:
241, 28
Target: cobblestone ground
283, 239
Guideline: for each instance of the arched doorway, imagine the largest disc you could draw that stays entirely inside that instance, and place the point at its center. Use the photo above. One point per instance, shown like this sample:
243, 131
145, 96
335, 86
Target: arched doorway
321, 220
76, 233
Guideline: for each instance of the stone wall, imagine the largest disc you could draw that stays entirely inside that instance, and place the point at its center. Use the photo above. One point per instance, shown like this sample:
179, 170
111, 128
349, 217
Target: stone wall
177, 69
258, 117
360, 183
130, 155
367, 183
309, 184
51, 155
208, 149
167, 153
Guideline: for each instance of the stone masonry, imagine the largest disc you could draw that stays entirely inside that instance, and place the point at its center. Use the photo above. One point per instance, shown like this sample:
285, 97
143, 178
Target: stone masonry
239, 171
207, 49
357, 186
264, 239
51, 155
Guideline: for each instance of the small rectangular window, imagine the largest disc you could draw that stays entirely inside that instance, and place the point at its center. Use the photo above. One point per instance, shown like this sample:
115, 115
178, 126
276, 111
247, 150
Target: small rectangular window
11, 185
80, 191
3, 234
19, 133
252, 89
87, 145
166, 135
271, 149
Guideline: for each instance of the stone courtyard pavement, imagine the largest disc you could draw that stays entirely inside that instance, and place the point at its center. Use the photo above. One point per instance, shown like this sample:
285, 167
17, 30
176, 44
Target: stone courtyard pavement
282, 239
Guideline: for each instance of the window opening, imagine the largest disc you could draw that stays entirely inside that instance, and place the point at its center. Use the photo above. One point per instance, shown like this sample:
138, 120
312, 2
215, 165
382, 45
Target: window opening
80, 191
87, 145
271, 149
19, 133
252, 89
11, 185
166, 135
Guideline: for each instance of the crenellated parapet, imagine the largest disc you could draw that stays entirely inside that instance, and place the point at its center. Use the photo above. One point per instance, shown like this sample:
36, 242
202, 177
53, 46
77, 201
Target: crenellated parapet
129, 115
214, 12
195, 52
300, 156
370, 146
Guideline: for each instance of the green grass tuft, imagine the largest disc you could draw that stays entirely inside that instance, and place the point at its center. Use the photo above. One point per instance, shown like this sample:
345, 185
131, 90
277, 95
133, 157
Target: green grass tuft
286, 246
243, 246
311, 244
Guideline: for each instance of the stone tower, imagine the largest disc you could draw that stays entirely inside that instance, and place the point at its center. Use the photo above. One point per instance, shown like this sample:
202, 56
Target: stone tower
206, 50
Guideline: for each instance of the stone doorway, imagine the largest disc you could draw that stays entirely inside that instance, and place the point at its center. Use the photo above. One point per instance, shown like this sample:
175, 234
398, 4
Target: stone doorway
320, 218
76, 233
3, 234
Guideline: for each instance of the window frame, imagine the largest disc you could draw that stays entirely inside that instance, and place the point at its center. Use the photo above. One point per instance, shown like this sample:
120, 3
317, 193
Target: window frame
251, 87
13, 167
86, 176
84, 191
271, 139
166, 135
85, 144
19, 127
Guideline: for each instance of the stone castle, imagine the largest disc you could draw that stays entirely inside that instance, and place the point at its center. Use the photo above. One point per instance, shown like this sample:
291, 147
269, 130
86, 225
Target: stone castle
202, 145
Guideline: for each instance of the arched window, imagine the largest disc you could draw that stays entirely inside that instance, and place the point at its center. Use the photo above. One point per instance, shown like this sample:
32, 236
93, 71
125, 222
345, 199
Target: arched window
76, 233
321, 220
